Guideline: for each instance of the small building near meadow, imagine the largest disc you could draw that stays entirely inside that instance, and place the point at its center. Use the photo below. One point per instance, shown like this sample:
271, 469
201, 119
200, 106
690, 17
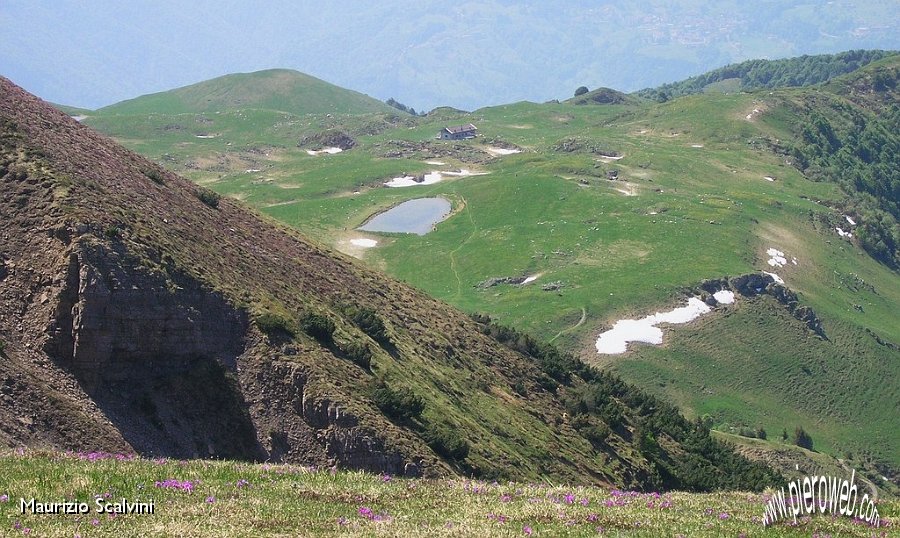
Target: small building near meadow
460, 132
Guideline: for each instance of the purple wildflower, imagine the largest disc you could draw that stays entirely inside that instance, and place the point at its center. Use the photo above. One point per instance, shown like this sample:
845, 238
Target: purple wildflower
526, 530
585, 502
569, 498
242, 483
724, 516
4, 498
365, 512
210, 499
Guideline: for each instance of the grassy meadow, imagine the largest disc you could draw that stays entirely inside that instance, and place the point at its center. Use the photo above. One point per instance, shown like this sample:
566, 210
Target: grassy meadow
225, 499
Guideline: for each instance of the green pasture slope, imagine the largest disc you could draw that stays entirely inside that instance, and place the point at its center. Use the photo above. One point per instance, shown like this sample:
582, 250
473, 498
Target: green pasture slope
273, 89
228, 499
691, 202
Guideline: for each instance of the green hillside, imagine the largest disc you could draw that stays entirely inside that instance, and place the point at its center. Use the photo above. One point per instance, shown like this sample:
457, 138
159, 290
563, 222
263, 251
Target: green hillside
280, 90
761, 74
617, 211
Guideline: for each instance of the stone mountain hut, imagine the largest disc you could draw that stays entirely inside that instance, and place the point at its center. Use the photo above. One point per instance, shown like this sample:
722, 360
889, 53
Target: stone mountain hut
460, 132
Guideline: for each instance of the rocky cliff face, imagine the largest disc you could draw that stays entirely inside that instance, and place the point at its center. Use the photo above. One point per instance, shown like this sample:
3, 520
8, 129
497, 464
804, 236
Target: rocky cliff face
108, 343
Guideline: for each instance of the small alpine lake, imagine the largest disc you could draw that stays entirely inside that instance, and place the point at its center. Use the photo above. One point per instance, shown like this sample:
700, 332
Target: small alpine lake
417, 216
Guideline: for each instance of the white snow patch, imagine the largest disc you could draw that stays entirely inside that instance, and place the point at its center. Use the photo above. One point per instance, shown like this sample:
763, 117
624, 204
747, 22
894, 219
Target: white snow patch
429, 179
696, 145
775, 277
626, 193
205, 136
776, 258
615, 340
463, 172
502, 151
330, 151
842, 233
531, 279
850, 220
724, 296
436, 163
253, 170
608, 158
80, 117
364, 243
769, 178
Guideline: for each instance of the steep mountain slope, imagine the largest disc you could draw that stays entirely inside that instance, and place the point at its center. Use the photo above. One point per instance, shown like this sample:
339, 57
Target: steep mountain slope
280, 90
141, 312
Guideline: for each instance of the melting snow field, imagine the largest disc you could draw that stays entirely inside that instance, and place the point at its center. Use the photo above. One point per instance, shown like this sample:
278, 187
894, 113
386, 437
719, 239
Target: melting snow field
696, 145
615, 340
436, 163
531, 279
842, 233
850, 220
724, 296
769, 178
775, 277
776, 258
429, 179
609, 159
329, 151
502, 151
364, 243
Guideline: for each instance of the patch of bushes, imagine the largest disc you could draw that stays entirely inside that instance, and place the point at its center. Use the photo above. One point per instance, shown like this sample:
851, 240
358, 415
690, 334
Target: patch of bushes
803, 439
318, 326
208, 197
359, 353
446, 441
274, 324
154, 175
400, 404
370, 323
112, 231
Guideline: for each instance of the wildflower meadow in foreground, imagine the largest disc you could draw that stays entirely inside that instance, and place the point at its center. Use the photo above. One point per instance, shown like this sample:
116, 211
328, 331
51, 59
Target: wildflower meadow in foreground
204, 498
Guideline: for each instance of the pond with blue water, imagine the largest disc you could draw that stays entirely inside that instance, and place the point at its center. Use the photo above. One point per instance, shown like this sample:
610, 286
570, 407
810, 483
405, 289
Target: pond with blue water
414, 216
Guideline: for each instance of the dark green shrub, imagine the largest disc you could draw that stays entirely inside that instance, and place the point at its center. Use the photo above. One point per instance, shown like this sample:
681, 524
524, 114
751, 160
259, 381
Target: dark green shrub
446, 441
370, 323
209, 197
112, 231
273, 324
802, 439
399, 404
581, 91
154, 175
318, 326
359, 353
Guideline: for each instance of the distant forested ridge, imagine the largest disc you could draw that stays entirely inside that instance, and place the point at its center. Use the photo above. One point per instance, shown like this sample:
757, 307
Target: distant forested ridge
757, 74
855, 142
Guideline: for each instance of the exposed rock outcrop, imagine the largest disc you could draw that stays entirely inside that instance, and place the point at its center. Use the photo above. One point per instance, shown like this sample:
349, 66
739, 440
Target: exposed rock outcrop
753, 284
